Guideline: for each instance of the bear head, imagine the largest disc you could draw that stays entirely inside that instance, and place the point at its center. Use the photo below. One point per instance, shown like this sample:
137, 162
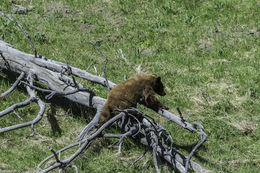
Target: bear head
158, 87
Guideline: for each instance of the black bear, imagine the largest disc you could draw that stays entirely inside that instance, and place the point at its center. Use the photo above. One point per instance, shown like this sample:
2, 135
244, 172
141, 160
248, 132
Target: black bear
139, 89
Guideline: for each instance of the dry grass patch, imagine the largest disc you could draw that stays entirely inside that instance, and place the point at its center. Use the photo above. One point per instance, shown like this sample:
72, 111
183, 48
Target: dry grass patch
245, 126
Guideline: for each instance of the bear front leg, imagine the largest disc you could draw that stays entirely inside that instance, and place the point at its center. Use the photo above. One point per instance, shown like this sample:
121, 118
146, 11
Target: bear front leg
151, 101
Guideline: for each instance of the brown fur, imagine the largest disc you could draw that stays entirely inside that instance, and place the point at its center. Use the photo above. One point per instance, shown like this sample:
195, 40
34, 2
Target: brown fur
132, 91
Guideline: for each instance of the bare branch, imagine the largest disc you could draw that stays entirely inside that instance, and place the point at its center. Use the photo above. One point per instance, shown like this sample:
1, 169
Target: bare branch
13, 86
23, 31
140, 157
203, 139
154, 145
93, 123
17, 105
85, 144
32, 98
131, 132
170, 116
105, 65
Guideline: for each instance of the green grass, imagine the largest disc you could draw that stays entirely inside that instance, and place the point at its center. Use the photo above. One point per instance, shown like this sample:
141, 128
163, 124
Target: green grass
207, 53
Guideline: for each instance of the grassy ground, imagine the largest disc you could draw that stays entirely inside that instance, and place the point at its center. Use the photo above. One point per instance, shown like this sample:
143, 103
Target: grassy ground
207, 53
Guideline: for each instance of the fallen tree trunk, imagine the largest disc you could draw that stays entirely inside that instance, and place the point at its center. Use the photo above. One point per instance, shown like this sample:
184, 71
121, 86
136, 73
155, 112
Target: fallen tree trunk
53, 75
48, 72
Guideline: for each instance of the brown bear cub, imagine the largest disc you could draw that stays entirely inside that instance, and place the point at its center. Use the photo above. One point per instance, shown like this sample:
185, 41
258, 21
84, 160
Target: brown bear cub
139, 89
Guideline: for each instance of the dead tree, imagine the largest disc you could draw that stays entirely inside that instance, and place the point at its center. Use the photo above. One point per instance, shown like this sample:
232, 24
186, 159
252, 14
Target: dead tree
54, 76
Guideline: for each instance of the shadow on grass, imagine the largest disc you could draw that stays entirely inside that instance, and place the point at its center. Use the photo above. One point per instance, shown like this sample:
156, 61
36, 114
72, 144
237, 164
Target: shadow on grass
74, 109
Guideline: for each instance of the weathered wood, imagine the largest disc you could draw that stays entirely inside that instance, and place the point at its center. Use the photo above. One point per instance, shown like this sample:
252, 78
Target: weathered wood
48, 72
